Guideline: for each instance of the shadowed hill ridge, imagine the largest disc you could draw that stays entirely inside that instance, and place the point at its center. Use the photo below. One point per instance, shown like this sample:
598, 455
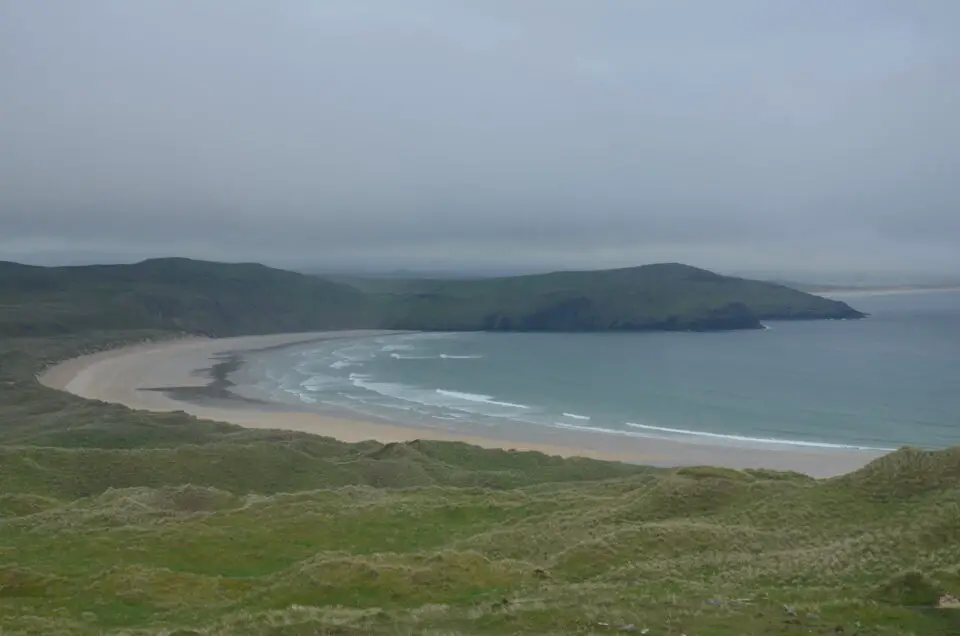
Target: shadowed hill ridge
245, 298
668, 296
174, 294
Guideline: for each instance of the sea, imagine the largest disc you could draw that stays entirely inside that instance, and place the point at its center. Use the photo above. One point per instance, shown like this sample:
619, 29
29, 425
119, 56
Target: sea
889, 380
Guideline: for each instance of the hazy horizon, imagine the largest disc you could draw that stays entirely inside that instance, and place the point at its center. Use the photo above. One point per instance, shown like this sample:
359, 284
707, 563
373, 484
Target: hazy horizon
805, 138
852, 278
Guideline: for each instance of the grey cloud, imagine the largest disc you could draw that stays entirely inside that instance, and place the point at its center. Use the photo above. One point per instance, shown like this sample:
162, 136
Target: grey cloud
541, 134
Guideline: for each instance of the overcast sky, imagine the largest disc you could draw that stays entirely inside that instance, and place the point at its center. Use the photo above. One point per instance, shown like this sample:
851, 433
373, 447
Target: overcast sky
789, 135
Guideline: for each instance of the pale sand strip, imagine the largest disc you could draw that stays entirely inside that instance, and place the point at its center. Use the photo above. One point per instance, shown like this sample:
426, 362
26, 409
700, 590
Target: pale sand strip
886, 291
120, 375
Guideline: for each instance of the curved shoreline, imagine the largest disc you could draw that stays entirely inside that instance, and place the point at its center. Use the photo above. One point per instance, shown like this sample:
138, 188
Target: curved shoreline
157, 376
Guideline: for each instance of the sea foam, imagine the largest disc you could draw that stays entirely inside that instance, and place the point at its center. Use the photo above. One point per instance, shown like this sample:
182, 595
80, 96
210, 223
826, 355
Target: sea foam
397, 347
473, 404
476, 397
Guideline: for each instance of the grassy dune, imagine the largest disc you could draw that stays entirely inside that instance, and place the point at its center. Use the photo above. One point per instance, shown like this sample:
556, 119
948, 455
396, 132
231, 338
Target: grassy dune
675, 552
120, 522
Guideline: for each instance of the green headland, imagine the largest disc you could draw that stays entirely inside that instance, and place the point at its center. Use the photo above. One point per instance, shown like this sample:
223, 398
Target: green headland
234, 299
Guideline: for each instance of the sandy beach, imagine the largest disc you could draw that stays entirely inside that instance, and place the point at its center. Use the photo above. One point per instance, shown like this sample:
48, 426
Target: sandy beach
132, 375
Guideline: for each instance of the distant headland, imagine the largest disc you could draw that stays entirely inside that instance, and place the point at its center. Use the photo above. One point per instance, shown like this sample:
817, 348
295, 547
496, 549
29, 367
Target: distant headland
226, 299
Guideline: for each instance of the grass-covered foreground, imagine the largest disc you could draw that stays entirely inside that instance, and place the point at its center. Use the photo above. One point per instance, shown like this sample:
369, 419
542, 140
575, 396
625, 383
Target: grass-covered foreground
116, 522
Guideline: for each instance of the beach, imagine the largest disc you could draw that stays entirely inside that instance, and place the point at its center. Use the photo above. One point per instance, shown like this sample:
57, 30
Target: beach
193, 375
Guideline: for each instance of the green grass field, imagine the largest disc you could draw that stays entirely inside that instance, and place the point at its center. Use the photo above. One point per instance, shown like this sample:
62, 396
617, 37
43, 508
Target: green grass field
682, 552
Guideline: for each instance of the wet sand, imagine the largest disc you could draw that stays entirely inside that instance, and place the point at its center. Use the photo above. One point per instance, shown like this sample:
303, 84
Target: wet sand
194, 375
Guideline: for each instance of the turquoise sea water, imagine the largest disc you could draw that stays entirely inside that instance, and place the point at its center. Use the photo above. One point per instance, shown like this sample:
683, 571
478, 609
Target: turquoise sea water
883, 382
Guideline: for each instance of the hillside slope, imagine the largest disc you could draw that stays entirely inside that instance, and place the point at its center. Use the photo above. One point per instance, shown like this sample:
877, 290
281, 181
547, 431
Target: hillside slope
174, 294
401, 540
233, 299
652, 297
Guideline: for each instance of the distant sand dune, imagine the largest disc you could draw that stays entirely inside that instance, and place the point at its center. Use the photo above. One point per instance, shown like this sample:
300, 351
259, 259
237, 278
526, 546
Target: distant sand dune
885, 291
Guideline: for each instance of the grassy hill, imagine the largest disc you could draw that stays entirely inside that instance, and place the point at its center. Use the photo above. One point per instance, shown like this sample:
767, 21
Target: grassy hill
231, 299
653, 297
181, 294
673, 552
